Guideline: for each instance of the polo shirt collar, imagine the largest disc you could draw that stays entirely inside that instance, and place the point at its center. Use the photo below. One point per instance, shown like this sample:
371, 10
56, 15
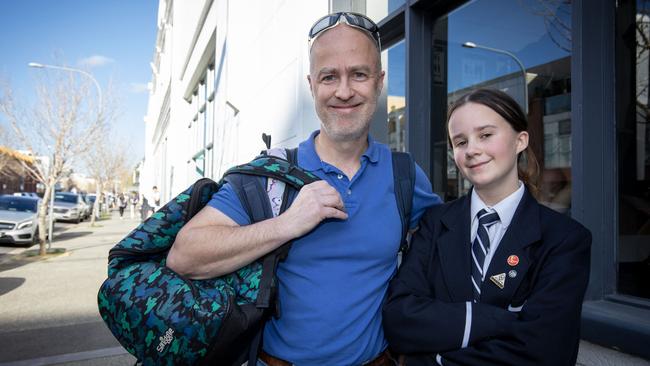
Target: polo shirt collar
309, 160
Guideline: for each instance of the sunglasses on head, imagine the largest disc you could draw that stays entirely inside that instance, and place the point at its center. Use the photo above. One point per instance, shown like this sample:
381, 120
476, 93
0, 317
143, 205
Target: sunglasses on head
356, 20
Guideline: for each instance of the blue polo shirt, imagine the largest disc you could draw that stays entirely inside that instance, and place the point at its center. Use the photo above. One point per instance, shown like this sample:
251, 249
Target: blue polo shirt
333, 283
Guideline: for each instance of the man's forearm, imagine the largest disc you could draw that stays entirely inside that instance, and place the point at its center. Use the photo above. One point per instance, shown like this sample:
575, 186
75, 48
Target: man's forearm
212, 244
209, 251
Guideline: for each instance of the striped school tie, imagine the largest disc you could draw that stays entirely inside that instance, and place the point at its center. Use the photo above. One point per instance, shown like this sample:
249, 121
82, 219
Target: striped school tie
480, 248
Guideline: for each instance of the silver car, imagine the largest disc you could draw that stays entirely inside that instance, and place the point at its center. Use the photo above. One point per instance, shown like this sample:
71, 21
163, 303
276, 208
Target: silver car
18, 220
68, 207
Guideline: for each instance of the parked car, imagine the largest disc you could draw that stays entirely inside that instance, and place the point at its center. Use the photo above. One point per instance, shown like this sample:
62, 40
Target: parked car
26, 194
68, 207
18, 219
87, 208
90, 201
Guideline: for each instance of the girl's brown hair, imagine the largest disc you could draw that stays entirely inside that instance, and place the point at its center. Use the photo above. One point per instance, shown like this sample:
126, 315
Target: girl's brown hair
509, 110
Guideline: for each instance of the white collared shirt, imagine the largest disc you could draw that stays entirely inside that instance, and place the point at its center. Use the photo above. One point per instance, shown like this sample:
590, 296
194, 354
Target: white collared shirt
505, 209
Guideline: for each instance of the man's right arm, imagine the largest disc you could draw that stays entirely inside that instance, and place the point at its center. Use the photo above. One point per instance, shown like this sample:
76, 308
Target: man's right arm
212, 244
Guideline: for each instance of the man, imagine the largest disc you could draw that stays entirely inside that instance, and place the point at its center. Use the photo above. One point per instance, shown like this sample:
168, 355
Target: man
150, 202
346, 227
155, 198
133, 202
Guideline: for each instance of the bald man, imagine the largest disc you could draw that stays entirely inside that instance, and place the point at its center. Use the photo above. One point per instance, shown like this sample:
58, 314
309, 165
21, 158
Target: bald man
345, 229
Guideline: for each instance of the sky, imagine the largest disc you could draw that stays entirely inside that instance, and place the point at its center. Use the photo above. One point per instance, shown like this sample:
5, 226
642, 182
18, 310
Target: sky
114, 40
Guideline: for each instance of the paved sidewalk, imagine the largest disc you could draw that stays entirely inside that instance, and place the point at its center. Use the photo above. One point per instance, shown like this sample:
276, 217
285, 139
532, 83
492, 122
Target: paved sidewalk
49, 308
594, 355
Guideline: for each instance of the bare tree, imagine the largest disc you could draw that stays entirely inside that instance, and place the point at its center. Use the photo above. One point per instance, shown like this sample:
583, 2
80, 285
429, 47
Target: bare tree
557, 19
642, 59
62, 125
106, 162
6, 155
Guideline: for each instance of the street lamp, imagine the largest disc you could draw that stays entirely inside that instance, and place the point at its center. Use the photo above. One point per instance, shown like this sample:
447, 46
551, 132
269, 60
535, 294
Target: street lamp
65, 68
504, 52
99, 112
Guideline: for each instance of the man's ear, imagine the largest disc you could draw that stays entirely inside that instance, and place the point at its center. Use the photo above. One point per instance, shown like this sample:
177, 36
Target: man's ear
309, 82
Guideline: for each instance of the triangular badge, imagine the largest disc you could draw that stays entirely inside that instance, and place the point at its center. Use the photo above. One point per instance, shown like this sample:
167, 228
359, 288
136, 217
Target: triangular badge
499, 280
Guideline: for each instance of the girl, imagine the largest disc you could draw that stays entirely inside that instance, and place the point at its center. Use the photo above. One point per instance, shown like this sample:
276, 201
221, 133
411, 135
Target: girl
492, 278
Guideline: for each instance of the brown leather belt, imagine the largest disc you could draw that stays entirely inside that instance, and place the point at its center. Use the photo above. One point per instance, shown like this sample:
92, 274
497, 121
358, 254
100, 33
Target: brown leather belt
383, 359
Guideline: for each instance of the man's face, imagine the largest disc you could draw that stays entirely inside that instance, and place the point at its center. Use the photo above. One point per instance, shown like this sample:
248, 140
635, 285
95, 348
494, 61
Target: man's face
345, 80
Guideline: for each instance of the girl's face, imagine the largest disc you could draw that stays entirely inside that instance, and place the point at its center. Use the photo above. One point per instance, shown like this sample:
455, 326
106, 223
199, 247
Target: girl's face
485, 149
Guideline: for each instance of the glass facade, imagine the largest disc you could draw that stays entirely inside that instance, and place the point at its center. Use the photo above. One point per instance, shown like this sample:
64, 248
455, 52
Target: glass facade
396, 100
586, 91
526, 54
633, 140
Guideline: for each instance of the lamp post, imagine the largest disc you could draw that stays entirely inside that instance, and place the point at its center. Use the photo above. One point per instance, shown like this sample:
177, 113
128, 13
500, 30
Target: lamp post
99, 112
71, 69
508, 53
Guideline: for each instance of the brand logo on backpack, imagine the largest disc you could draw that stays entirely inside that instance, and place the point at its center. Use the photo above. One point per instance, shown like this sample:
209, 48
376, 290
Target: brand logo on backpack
165, 340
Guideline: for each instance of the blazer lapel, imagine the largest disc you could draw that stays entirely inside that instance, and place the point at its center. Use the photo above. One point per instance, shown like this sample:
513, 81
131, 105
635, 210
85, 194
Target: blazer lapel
454, 250
524, 230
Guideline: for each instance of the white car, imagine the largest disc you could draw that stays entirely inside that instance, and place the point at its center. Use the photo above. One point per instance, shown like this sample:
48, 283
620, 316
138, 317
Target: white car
27, 194
68, 207
18, 220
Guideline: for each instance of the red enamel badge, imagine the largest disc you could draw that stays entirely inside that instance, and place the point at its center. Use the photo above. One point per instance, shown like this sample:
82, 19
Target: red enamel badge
513, 260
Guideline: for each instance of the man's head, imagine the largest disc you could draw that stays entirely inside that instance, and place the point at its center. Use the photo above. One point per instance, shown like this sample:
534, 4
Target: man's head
345, 78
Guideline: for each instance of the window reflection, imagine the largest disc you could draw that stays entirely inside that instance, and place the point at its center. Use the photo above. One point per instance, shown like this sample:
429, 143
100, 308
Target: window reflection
634, 149
396, 101
527, 55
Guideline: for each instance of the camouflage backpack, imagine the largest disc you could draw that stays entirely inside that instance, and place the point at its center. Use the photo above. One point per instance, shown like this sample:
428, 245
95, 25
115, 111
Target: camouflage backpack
163, 318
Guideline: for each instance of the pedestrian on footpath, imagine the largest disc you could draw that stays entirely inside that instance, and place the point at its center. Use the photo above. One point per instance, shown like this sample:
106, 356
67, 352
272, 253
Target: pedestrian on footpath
122, 203
154, 200
133, 202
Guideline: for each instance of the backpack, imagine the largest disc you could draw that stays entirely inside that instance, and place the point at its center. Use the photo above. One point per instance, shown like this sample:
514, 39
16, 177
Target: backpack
163, 318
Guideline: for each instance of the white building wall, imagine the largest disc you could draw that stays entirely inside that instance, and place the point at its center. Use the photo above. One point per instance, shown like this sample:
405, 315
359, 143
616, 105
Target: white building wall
253, 57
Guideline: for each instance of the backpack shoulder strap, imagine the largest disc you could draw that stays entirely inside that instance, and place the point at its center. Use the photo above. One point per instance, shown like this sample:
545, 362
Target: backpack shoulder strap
261, 198
404, 183
252, 196
200, 193
292, 155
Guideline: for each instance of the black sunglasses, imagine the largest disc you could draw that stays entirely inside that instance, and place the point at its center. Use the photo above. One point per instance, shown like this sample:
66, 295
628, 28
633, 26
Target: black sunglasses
352, 19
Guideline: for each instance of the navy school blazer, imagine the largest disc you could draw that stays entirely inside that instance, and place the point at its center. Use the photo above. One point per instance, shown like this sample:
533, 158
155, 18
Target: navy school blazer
430, 299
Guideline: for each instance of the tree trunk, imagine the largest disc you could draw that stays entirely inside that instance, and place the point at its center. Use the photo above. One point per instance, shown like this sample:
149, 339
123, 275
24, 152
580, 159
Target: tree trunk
42, 223
95, 212
96, 205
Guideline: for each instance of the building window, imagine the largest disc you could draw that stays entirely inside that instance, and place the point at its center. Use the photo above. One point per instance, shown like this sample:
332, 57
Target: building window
634, 149
526, 54
201, 162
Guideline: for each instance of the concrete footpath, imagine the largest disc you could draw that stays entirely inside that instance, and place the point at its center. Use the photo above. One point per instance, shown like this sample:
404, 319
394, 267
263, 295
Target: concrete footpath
48, 308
